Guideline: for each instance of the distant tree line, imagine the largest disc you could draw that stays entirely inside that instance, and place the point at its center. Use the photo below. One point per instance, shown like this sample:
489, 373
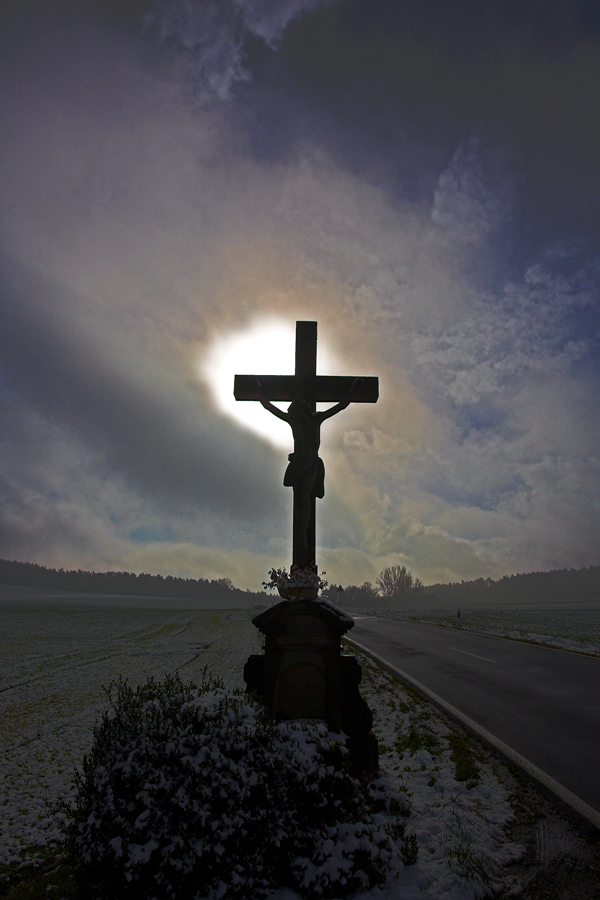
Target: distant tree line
534, 587
125, 583
396, 586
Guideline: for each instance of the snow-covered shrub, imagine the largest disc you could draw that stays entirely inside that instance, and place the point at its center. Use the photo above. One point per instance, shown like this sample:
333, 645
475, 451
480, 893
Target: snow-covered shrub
194, 792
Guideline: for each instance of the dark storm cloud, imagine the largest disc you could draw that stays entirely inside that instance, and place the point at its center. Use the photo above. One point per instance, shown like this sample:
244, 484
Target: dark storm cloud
526, 74
153, 431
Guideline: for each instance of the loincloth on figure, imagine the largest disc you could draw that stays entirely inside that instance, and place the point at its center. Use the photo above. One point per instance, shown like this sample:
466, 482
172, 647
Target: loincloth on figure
306, 470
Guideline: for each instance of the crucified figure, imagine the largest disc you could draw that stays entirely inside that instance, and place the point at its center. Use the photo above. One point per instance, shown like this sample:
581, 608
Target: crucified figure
305, 472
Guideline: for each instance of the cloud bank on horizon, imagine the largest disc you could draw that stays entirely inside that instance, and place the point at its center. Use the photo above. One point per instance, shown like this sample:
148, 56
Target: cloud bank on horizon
421, 178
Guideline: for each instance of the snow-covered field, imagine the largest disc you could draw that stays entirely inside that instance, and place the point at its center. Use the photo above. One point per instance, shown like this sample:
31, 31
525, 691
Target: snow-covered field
574, 626
55, 662
53, 666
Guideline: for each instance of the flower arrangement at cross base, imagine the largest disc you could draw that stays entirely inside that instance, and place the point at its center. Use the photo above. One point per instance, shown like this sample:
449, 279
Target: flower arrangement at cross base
298, 584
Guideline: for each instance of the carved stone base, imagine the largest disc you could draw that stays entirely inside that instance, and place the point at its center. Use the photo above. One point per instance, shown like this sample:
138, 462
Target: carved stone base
302, 674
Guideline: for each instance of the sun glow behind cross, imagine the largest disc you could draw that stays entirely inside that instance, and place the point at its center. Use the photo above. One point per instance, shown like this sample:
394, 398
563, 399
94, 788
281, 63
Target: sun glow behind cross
267, 347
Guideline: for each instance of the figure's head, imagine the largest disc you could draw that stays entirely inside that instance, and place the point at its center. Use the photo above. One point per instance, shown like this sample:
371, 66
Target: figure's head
299, 409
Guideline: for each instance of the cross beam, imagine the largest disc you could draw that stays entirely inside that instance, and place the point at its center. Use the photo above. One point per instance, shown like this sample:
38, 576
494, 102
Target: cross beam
320, 388
306, 385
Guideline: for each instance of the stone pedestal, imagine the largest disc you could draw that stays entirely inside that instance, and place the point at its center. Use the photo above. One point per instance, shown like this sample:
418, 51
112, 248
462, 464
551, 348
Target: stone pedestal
302, 674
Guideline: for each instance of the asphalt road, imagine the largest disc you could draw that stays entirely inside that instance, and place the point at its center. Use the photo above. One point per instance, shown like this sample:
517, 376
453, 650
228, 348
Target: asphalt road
543, 703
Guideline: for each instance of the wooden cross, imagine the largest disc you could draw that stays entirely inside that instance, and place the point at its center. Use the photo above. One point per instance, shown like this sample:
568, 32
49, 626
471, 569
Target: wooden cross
306, 385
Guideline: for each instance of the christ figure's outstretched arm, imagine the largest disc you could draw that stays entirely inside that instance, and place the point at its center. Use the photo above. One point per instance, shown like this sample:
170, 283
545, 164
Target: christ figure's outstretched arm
264, 400
334, 410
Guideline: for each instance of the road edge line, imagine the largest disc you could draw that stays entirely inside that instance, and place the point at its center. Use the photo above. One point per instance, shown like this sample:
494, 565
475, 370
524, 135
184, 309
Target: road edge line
579, 806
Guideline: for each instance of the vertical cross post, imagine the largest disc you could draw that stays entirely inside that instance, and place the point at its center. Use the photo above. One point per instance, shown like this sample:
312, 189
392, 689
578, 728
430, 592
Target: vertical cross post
305, 380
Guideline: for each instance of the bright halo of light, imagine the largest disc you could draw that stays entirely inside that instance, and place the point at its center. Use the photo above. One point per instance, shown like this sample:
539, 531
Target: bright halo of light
267, 347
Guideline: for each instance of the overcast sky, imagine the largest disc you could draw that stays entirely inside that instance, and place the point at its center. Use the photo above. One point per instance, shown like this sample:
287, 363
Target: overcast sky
181, 180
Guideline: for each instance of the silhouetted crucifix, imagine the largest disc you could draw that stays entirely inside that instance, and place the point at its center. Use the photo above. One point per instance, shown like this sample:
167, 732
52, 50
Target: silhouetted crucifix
305, 472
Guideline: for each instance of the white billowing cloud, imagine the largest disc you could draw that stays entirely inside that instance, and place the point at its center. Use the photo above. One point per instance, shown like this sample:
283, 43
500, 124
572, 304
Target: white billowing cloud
526, 330
206, 37
523, 494
507, 478
474, 195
